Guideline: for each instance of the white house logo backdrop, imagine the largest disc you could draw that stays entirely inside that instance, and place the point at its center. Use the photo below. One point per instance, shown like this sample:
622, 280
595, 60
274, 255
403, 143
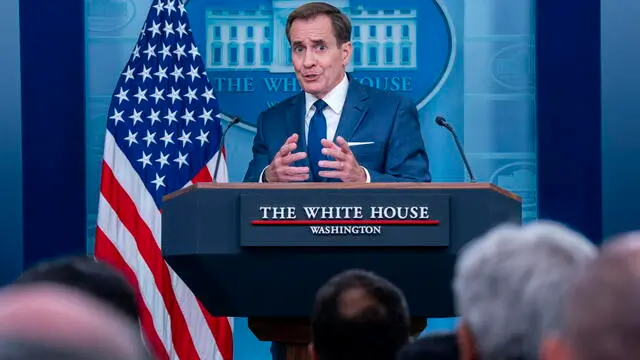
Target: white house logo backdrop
404, 47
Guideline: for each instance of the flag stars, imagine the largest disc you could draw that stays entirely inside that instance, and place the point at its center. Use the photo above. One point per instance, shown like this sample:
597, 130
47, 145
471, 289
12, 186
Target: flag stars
136, 116
178, 91
166, 51
171, 117
203, 137
167, 138
170, 7
159, 181
145, 73
159, 7
168, 29
128, 74
182, 9
191, 94
141, 95
163, 160
188, 116
150, 138
175, 95
132, 138
181, 29
145, 159
179, 51
157, 95
208, 94
117, 116
181, 159
161, 73
151, 51
177, 73
154, 29
206, 116
194, 52
136, 52
122, 96
185, 138
193, 73
154, 116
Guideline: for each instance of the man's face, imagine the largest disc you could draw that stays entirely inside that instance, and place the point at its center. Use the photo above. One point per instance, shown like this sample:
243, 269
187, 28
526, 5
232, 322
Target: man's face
317, 59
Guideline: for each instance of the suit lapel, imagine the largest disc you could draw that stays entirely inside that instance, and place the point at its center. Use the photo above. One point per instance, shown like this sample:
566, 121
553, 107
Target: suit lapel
295, 124
354, 110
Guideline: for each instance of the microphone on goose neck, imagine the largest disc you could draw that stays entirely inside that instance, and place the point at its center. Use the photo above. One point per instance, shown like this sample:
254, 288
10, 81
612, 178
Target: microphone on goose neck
442, 122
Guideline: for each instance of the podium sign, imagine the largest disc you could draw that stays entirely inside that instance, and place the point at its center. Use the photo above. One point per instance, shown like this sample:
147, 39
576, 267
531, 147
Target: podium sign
237, 242
336, 218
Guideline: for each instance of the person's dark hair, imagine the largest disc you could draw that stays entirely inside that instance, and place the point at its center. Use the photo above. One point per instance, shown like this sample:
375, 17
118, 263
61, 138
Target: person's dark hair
340, 22
90, 276
376, 323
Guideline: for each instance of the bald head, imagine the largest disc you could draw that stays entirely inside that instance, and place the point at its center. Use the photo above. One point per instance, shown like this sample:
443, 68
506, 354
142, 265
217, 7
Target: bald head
62, 316
603, 308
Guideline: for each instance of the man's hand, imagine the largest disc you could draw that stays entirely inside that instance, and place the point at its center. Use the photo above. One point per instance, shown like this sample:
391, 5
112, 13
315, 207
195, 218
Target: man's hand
280, 170
345, 164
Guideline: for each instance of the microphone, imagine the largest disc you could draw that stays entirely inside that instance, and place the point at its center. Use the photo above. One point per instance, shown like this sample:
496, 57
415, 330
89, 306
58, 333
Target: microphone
232, 121
442, 122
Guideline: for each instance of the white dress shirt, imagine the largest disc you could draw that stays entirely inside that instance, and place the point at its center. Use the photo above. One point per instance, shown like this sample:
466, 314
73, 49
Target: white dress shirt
335, 100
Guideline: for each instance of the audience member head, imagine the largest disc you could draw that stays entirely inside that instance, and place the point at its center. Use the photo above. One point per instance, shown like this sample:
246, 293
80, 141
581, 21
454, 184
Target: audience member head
602, 314
64, 317
89, 275
509, 285
359, 315
29, 350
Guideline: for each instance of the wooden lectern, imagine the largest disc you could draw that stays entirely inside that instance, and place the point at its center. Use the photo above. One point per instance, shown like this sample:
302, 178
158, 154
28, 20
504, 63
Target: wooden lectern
262, 250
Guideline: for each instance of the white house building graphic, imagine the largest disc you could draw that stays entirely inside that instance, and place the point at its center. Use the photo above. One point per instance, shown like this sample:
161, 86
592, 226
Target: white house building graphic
383, 39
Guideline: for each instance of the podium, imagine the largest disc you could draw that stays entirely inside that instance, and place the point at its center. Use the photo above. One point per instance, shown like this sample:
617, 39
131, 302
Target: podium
262, 251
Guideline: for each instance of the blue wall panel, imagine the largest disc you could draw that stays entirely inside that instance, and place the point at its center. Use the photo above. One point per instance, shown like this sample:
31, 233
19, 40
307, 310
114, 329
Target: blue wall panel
10, 140
568, 113
52, 61
620, 115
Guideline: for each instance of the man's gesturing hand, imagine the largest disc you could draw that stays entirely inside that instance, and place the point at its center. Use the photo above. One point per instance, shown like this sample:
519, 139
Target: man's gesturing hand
280, 169
345, 164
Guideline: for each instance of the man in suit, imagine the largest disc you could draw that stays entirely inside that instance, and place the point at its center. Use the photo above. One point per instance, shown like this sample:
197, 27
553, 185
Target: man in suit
336, 129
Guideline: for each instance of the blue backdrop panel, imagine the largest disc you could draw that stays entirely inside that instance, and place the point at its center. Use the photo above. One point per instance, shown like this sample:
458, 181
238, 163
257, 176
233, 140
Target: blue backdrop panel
10, 140
52, 62
620, 116
568, 113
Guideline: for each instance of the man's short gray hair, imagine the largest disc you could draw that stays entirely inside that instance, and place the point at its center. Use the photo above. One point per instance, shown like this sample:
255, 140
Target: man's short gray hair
509, 285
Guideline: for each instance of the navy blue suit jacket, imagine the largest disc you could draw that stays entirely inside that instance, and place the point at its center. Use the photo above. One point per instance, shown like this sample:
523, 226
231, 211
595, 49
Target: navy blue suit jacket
388, 120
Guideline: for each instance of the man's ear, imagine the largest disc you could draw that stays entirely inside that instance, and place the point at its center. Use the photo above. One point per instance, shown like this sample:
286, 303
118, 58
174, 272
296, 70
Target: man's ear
312, 352
553, 347
467, 343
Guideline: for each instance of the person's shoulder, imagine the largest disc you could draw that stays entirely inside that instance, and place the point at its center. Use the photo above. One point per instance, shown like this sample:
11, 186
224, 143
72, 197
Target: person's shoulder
280, 108
377, 95
441, 345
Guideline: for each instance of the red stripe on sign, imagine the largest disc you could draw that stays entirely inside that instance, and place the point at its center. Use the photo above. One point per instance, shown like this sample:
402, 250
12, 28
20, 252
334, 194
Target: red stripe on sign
345, 222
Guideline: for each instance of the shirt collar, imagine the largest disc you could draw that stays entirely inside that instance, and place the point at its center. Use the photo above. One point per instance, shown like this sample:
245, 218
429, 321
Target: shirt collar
335, 98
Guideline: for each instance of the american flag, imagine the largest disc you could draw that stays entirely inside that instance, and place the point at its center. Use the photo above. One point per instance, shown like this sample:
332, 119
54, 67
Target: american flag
163, 133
